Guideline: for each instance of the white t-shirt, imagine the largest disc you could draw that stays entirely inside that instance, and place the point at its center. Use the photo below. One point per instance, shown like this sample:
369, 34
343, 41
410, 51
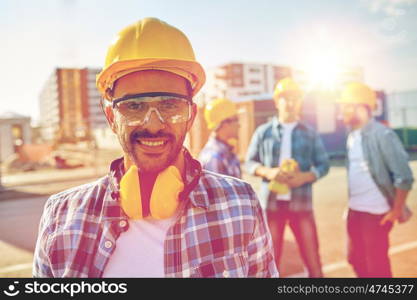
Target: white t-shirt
139, 251
364, 195
285, 153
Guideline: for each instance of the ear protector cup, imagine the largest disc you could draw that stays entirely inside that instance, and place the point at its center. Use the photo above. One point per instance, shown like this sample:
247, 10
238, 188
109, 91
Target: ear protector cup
130, 198
164, 197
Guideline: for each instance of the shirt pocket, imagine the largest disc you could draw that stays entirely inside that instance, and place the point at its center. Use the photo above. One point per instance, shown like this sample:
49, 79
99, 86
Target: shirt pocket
303, 153
230, 266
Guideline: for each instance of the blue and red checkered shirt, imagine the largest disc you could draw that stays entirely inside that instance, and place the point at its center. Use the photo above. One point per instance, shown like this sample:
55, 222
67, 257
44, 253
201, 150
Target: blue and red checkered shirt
220, 231
216, 156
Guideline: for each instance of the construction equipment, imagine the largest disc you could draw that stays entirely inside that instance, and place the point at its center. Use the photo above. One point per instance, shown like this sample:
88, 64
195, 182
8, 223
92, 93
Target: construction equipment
288, 165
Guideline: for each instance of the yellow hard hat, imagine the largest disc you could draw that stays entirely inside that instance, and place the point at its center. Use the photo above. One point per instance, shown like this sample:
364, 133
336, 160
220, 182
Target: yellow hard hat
217, 111
287, 85
358, 93
150, 44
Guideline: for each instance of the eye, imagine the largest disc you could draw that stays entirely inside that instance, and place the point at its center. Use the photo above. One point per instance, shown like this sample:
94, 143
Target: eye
137, 106
169, 104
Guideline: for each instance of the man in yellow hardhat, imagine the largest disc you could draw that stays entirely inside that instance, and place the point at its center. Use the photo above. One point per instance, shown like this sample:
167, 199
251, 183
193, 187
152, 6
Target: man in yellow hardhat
157, 213
217, 155
379, 181
289, 156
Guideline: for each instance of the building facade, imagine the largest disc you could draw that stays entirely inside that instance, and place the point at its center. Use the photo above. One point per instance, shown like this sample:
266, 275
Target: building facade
402, 109
242, 80
70, 105
15, 131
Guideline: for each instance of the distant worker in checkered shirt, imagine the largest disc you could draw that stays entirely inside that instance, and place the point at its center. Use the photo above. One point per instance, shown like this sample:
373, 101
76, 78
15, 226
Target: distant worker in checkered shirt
218, 153
289, 156
157, 213
379, 178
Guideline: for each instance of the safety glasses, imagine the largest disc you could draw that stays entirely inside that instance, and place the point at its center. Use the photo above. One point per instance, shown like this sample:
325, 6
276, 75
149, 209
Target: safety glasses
136, 110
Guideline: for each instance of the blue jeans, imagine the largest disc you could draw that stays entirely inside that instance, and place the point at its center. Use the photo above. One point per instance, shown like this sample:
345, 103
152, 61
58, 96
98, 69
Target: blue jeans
368, 244
304, 229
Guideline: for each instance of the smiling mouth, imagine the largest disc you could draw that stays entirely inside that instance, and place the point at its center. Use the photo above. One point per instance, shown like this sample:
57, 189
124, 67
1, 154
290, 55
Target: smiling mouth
152, 143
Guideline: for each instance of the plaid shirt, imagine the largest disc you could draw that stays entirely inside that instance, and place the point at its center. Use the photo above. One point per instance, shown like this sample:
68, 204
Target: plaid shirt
218, 157
220, 231
306, 148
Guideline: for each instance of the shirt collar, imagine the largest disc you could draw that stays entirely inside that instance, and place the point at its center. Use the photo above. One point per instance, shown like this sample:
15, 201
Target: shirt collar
277, 124
111, 206
222, 146
368, 127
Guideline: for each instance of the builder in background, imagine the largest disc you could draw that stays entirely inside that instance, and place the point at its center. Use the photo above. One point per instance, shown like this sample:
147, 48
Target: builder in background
289, 156
217, 155
156, 213
379, 180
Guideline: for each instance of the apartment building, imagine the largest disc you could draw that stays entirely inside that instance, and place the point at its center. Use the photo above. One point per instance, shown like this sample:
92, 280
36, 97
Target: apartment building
70, 105
241, 80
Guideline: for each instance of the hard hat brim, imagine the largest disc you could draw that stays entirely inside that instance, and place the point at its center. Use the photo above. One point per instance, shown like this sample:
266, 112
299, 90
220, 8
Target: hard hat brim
342, 100
190, 70
278, 94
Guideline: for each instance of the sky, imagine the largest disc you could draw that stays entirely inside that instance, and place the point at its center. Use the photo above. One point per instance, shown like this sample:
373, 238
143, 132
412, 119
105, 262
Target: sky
378, 35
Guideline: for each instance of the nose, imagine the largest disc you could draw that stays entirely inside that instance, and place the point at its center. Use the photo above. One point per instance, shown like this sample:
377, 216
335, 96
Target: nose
153, 122
289, 104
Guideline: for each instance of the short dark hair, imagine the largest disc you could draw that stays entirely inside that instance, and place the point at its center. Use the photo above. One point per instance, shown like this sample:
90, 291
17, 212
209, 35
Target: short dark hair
189, 89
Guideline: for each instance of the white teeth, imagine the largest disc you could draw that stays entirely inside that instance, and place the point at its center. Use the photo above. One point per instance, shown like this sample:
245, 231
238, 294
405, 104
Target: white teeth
152, 144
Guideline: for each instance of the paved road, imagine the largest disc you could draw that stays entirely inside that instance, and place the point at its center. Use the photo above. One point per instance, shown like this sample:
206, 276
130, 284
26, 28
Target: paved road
18, 230
19, 222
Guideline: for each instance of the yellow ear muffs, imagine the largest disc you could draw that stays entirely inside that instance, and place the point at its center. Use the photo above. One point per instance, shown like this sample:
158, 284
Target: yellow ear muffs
130, 198
164, 198
165, 193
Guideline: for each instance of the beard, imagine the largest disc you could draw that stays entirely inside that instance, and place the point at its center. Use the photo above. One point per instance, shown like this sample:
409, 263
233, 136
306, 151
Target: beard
352, 121
149, 162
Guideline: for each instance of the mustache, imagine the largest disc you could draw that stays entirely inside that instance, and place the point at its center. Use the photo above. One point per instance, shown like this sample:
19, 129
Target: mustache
146, 134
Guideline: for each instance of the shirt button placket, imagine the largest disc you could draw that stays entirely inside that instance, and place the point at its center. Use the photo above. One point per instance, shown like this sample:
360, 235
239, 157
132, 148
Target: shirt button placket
122, 224
108, 244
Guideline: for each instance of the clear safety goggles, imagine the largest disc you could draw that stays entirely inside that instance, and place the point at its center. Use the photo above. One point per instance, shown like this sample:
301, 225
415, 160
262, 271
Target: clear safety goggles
136, 110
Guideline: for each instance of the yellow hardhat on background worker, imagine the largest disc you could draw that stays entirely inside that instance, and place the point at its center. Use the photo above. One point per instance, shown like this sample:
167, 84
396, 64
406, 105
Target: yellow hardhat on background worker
287, 86
150, 44
358, 93
217, 111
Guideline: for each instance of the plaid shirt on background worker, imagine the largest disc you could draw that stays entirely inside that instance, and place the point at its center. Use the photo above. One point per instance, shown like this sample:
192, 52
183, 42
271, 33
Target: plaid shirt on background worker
306, 148
220, 231
216, 156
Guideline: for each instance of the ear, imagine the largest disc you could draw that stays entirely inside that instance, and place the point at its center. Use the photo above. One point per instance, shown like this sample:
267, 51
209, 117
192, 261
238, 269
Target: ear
108, 111
193, 115
220, 127
276, 100
364, 109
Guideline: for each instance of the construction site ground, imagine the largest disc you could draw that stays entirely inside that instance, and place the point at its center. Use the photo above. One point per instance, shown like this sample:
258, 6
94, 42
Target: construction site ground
22, 202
